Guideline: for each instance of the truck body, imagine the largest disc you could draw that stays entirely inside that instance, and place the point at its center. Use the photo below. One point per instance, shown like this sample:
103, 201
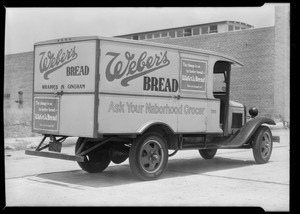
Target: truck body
126, 98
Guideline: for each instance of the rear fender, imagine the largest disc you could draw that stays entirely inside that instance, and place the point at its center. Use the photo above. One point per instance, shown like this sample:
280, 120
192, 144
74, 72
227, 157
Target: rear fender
153, 123
162, 128
247, 131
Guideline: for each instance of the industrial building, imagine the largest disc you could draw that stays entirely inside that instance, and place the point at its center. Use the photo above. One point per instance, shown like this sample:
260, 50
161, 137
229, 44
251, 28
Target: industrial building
191, 30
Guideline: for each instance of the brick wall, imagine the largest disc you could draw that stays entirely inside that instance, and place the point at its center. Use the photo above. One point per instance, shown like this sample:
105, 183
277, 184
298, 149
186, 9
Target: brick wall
18, 77
253, 84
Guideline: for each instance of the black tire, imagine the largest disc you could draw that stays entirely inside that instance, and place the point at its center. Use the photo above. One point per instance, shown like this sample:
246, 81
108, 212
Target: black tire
148, 156
118, 153
262, 145
207, 153
96, 160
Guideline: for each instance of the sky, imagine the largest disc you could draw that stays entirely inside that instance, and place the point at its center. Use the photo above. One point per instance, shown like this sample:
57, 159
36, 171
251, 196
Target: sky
25, 26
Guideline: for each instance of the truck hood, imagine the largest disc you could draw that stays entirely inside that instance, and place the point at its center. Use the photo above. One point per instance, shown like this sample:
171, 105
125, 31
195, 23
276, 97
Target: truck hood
235, 104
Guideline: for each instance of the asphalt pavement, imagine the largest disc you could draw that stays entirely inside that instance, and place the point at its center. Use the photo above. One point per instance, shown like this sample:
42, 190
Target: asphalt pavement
232, 178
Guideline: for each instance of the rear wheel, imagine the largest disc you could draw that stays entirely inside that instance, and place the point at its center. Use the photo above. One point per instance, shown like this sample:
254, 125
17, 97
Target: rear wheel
207, 153
118, 152
262, 145
148, 156
96, 160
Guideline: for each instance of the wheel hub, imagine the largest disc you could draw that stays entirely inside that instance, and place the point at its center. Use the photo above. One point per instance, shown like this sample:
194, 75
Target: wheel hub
266, 145
151, 156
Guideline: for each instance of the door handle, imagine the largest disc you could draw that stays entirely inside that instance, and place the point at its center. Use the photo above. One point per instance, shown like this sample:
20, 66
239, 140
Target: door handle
176, 97
58, 93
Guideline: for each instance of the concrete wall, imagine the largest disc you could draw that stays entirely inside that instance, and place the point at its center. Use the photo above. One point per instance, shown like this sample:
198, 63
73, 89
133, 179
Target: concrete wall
282, 62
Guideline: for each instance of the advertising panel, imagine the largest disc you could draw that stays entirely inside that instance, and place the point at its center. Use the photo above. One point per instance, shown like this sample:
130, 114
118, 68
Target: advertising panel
138, 69
46, 113
68, 67
128, 114
193, 75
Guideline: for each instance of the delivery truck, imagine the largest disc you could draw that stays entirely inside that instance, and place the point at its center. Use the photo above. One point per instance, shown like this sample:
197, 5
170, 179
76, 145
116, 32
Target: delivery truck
138, 100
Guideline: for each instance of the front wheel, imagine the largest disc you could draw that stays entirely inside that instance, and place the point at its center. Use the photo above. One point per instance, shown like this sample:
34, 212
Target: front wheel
148, 156
262, 145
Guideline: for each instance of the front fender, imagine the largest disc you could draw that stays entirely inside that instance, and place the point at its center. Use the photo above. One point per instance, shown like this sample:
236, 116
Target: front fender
247, 131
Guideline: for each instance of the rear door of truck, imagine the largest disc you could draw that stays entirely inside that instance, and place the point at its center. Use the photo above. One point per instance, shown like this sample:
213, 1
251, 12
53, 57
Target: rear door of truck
65, 91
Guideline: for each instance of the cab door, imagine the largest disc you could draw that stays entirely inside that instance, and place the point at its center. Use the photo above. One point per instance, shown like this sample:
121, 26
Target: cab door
65, 87
192, 93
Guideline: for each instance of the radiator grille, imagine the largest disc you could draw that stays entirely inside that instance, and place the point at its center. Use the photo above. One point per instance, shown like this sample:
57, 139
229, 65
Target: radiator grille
237, 120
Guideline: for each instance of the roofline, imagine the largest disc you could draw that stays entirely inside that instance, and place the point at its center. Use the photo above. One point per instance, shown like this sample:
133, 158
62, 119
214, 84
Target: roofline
68, 39
19, 53
142, 42
187, 26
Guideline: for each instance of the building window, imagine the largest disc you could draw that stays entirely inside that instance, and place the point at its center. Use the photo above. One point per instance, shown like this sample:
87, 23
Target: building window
142, 36
135, 37
172, 33
204, 30
179, 33
187, 32
237, 28
196, 31
230, 27
164, 34
156, 35
213, 29
149, 36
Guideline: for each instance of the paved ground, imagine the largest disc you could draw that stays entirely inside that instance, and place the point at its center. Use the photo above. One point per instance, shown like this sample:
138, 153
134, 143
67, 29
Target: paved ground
230, 179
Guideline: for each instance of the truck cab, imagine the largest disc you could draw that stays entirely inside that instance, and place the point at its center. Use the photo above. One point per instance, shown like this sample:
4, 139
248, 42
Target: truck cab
232, 113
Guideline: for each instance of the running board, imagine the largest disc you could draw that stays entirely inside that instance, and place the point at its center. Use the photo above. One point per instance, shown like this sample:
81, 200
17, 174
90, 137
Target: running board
55, 155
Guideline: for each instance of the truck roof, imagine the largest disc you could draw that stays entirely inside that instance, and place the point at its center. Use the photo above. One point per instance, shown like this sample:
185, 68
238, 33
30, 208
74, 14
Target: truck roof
183, 48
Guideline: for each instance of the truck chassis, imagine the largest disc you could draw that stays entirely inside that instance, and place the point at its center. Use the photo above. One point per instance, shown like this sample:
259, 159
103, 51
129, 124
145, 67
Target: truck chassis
148, 153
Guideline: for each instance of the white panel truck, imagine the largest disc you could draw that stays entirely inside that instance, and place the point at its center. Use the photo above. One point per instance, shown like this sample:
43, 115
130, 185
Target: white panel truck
138, 100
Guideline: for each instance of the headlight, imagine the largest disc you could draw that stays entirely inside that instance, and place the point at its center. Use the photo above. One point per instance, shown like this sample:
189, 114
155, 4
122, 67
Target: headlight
253, 112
